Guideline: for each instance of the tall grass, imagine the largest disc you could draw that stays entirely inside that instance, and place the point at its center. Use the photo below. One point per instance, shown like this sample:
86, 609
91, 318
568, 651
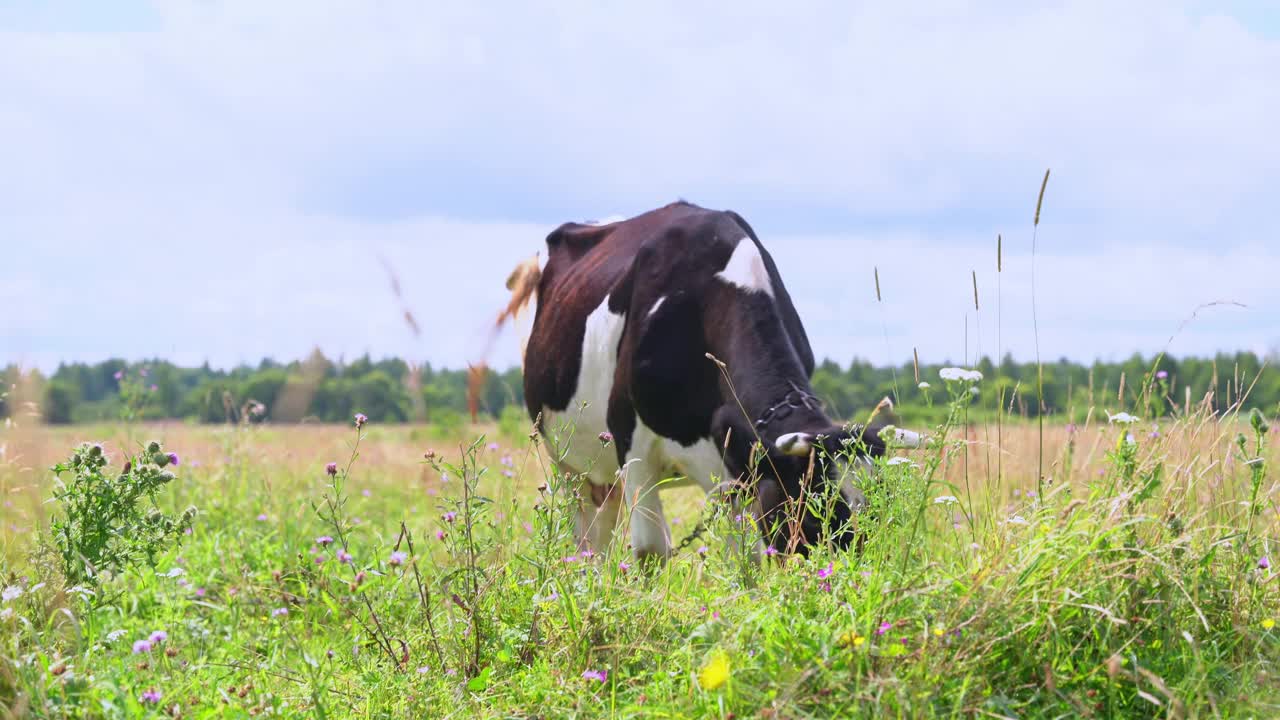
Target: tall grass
1134, 587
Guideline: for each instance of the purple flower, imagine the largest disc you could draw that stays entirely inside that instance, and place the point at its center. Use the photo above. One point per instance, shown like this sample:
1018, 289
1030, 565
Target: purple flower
508, 474
324, 541
331, 469
366, 492
884, 628
702, 551
361, 419
360, 577
827, 571
1162, 375
344, 557
152, 388
144, 372
506, 460
771, 551
173, 458
600, 676
398, 558
200, 592
624, 566
439, 534
493, 447
587, 554
319, 559
1071, 427
158, 637
1264, 563
606, 438
450, 516
141, 646
262, 517
119, 375
151, 697
279, 612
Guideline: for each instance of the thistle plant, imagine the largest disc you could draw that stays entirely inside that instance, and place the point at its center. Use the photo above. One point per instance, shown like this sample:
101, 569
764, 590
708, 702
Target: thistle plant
110, 522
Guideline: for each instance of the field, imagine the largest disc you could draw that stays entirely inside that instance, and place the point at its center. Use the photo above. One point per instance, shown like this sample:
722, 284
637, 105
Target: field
1135, 580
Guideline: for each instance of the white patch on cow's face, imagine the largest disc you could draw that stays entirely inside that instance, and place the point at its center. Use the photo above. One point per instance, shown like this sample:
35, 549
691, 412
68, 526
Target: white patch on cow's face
654, 310
746, 269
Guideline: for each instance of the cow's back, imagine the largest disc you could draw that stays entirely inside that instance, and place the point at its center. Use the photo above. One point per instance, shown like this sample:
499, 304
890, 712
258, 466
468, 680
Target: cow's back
584, 263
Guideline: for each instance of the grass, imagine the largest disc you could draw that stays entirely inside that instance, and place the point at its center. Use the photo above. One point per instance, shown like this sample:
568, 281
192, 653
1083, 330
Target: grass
1131, 586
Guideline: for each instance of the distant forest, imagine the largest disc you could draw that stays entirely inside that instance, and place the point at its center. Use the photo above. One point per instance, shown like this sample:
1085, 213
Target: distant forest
319, 389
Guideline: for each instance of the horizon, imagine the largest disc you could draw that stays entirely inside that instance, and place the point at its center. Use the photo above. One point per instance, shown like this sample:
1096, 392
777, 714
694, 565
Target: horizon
235, 181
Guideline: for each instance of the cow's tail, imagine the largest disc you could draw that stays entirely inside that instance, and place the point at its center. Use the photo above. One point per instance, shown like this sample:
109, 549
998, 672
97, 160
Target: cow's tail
523, 284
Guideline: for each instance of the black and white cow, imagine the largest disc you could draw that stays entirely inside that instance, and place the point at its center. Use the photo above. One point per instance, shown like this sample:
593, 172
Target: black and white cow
627, 315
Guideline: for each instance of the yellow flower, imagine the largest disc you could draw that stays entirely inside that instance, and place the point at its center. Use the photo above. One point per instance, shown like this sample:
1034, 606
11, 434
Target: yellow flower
851, 639
715, 672
939, 632
1268, 624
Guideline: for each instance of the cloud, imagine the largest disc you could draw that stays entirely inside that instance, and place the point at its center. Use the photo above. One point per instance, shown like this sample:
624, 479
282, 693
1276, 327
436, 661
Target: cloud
230, 172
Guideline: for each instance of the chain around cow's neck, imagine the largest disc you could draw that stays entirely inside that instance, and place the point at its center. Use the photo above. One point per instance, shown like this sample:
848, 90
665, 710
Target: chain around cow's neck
797, 398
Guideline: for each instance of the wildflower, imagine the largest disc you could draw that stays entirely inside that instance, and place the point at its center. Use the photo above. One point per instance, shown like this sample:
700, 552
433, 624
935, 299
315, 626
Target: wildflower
158, 637
151, 697
493, 447
1268, 624
12, 592
898, 461
508, 474
924, 385
361, 419
600, 676
1264, 563
424, 670
152, 388
1162, 375
141, 646
319, 559
200, 592
1123, 418
939, 632
851, 639
439, 534
398, 558
262, 517
279, 612
360, 578
715, 672
884, 628
450, 516
331, 469
173, 459
507, 461
144, 372
771, 551
946, 500
702, 550
119, 375
344, 557
587, 554
366, 492
624, 566
324, 541
960, 374
827, 571
606, 437
1018, 520
1071, 428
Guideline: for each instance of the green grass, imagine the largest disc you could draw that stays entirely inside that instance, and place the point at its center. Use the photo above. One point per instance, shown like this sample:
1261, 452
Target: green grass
1096, 600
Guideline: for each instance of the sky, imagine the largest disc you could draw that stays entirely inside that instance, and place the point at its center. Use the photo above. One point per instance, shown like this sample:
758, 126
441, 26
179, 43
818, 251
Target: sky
227, 181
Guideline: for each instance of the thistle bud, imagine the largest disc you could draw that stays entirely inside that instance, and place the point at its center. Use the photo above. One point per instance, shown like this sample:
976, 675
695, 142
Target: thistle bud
160, 459
1258, 422
153, 447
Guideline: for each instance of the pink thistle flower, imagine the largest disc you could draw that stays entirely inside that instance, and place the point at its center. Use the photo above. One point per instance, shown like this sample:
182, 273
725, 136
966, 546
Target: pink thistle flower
141, 646
600, 676
151, 697
324, 541
439, 534
827, 571
158, 637
361, 419
771, 551
344, 557
279, 612
331, 469
1264, 563
398, 558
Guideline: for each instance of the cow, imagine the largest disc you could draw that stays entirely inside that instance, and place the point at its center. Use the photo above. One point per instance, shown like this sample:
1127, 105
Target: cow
671, 337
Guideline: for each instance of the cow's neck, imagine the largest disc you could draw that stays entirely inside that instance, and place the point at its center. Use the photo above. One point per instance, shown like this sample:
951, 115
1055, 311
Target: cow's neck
778, 400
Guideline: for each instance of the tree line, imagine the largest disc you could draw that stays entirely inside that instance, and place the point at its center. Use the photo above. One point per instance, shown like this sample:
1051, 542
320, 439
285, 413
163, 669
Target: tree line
391, 390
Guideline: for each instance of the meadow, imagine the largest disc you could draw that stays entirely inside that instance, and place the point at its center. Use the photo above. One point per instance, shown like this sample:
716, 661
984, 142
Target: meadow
433, 573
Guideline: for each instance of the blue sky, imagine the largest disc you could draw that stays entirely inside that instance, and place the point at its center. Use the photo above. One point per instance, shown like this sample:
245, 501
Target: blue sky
222, 181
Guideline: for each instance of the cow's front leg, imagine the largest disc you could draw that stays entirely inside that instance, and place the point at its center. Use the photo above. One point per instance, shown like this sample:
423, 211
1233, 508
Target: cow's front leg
650, 534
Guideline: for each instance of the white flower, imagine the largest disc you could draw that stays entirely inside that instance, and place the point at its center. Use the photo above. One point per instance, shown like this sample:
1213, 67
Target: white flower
1123, 418
115, 635
960, 374
6, 613
175, 572
946, 500
897, 461
13, 592
1018, 520
924, 385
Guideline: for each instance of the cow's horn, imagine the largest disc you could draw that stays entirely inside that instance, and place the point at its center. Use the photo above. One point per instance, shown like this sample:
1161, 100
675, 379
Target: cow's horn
795, 444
